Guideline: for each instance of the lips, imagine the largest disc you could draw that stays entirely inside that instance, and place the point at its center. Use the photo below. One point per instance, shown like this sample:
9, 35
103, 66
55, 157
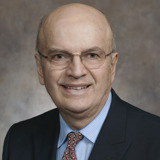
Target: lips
76, 87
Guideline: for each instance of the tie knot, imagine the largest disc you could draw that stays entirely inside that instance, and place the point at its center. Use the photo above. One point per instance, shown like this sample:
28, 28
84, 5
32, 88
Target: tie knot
74, 138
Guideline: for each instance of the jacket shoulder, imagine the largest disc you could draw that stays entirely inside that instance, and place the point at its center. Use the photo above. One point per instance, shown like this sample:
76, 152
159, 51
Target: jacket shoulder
133, 110
137, 119
40, 122
24, 135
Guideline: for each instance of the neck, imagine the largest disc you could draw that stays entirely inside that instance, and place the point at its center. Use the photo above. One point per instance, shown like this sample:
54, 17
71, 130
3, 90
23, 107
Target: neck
79, 120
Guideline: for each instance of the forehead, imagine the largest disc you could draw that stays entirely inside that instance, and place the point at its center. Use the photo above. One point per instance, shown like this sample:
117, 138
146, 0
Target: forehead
75, 36
75, 33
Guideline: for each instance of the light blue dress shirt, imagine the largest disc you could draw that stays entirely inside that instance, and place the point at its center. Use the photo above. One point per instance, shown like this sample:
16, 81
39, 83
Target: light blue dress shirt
90, 133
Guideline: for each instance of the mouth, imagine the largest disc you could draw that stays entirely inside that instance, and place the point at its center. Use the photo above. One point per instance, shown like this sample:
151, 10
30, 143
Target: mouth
76, 87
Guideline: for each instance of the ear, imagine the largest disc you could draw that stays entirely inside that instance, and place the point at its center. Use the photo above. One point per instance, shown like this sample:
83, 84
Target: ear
39, 69
113, 65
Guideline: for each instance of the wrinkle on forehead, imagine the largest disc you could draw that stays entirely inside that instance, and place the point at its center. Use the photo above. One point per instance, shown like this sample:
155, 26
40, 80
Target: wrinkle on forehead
74, 14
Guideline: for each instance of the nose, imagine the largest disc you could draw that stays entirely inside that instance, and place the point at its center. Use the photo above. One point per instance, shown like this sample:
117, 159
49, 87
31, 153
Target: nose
76, 69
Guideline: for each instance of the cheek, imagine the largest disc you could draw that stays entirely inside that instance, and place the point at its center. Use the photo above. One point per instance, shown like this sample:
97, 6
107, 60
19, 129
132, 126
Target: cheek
103, 76
103, 82
51, 78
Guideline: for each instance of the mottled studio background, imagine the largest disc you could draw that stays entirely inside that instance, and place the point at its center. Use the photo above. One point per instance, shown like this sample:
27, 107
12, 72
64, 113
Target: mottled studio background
136, 24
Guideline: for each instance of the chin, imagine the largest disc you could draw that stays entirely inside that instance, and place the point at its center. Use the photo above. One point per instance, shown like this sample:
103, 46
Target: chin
75, 108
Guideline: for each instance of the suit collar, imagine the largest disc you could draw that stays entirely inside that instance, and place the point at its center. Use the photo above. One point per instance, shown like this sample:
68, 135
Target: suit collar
112, 143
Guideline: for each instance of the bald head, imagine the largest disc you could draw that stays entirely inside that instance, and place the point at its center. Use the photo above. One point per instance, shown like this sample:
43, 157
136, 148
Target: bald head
72, 18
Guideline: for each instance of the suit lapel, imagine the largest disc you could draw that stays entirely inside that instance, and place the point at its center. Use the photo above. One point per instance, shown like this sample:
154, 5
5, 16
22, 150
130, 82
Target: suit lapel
112, 141
45, 139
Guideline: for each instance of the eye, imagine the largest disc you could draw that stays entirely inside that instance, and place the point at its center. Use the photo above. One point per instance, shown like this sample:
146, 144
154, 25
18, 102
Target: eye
92, 55
58, 57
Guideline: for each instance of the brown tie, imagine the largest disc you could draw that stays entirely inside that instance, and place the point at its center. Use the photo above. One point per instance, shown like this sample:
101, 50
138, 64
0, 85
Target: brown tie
73, 139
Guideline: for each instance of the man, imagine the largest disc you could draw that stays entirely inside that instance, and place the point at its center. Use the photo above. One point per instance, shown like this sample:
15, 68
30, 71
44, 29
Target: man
76, 61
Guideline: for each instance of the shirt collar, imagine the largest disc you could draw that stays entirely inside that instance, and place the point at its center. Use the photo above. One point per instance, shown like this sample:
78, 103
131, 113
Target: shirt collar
64, 130
91, 131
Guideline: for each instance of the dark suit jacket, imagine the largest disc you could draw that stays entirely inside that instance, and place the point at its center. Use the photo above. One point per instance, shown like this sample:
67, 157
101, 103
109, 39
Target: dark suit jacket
128, 133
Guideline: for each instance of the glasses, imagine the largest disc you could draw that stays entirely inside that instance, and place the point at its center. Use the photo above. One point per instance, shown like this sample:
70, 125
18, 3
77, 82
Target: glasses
92, 58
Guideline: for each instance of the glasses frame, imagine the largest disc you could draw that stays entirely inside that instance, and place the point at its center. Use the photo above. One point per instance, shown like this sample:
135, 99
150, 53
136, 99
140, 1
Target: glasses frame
46, 57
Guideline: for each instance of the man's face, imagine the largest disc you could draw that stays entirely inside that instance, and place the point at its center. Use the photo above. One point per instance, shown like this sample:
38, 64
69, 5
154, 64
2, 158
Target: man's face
77, 90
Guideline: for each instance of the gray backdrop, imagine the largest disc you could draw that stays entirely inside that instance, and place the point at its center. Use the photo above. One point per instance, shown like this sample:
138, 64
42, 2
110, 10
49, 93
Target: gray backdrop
136, 24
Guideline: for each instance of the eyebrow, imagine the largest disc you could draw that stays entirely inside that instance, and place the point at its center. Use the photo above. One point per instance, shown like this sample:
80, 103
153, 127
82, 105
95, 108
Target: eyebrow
53, 50
95, 48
